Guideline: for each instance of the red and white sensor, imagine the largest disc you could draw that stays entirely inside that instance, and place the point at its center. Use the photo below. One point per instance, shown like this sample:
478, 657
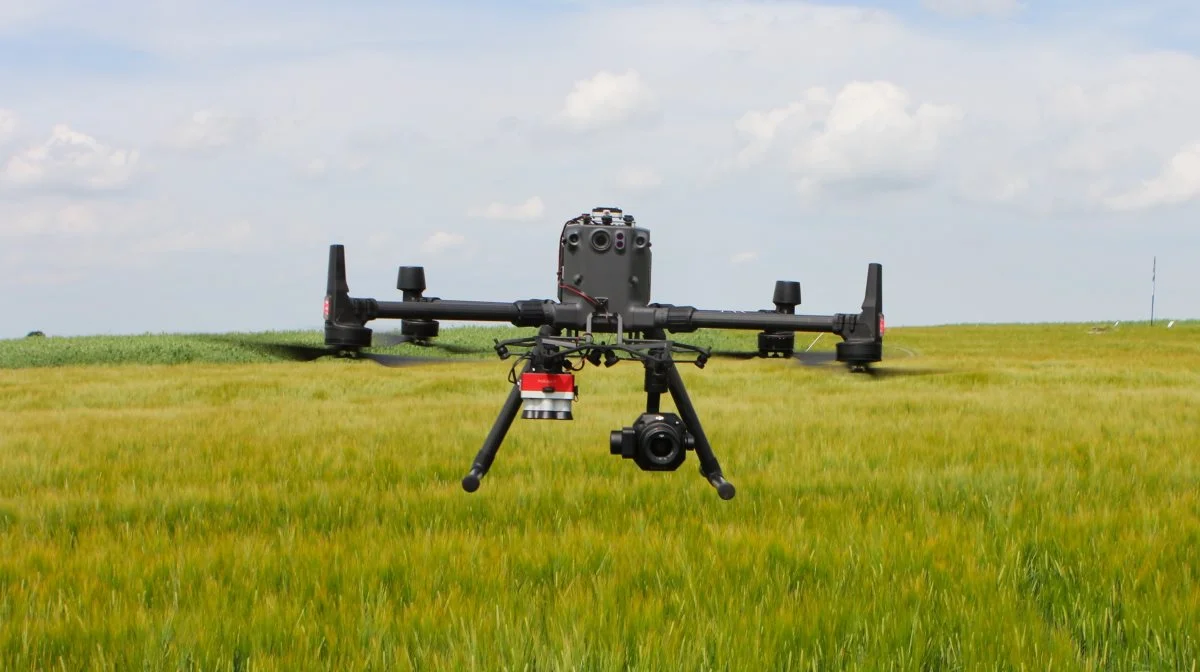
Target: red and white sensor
547, 396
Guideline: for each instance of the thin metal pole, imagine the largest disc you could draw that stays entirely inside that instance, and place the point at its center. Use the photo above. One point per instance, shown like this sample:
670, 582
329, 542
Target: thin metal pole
1153, 287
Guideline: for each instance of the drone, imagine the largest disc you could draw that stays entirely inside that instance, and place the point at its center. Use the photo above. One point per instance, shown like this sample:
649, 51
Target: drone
604, 263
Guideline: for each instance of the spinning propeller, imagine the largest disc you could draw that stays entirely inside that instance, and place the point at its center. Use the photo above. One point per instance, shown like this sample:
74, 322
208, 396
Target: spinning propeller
348, 313
306, 353
825, 360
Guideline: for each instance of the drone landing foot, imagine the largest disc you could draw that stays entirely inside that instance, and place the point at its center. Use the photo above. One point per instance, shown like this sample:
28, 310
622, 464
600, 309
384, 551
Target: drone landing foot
710, 468
487, 454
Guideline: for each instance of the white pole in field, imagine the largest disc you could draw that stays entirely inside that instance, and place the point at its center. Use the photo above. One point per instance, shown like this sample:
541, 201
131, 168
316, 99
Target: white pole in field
1153, 286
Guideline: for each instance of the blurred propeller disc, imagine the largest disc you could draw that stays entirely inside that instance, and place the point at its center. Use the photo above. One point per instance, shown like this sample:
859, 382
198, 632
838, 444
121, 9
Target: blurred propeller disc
399, 360
733, 354
826, 358
307, 353
875, 372
293, 351
393, 339
819, 358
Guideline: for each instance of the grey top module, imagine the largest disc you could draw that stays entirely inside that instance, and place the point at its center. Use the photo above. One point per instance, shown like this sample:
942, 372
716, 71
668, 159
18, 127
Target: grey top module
604, 262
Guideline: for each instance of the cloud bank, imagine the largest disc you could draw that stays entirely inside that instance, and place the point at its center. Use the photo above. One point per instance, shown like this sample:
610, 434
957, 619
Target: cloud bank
1004, 160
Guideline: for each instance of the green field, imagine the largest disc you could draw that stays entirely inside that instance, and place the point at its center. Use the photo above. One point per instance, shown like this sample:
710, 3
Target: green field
174, 502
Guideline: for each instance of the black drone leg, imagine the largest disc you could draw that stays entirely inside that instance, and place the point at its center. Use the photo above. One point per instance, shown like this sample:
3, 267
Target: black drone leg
709, 467
487, 454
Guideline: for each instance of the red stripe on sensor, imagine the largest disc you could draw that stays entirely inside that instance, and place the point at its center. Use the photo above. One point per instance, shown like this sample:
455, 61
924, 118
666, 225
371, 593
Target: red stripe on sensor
538, 382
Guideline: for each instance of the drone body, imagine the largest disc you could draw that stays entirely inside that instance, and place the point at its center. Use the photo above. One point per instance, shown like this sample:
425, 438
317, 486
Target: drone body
604, 270
605, 263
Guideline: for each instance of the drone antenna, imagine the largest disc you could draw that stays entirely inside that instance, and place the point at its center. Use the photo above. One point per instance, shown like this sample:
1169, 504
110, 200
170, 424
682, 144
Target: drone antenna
337, 290
336, 283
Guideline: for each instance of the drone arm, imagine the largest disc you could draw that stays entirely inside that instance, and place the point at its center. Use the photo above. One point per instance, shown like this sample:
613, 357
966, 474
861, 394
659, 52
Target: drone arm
473, 311
866, 325
525, 313
730, 319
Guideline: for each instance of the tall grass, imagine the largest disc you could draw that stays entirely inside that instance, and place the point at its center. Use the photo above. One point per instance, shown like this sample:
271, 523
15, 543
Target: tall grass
1035, 505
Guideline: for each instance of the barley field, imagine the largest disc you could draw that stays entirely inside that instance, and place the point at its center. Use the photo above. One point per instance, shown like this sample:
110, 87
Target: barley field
177, 502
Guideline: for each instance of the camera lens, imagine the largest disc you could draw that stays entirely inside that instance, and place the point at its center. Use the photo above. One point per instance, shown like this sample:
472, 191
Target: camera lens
639, 242
573, 238
661, 446
601, 241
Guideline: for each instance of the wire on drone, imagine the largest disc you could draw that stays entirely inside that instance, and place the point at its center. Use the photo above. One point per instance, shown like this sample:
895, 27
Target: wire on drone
580, 293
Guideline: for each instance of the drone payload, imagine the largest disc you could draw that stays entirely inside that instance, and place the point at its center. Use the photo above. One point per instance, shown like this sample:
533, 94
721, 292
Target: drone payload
603, 274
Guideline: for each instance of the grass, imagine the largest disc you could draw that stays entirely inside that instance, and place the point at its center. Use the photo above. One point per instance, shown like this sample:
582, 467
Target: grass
1034, 506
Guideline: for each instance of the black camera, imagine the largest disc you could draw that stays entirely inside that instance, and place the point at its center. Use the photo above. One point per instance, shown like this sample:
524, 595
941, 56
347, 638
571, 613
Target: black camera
655, 442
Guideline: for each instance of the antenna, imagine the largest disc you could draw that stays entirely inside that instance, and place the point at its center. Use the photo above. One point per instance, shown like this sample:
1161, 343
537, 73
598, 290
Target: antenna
1153, 287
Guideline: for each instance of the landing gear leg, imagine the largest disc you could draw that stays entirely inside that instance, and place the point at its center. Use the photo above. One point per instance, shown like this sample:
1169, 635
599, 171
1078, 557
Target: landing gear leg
487, 454
710, 468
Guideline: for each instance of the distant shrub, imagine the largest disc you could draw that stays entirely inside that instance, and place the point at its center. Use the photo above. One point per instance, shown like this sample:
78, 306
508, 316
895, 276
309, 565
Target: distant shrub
35, 334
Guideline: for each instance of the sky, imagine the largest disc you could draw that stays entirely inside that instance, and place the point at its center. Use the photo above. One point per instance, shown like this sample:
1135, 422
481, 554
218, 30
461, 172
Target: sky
184, 166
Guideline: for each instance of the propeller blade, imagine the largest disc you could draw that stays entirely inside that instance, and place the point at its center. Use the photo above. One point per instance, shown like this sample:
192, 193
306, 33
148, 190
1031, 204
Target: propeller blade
292, 351
875, 372
734, 354
458, 349
399, 360
815, 358
299, 353
307, 353
392, 339
389, 339
824, 359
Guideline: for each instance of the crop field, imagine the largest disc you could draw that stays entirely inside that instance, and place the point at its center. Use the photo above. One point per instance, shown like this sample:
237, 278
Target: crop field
179, 502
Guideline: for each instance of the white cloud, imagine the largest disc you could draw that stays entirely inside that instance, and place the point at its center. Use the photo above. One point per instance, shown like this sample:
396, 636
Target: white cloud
761, 128
998, 8
606, 99
530, 209
870, 136
637, 178
316, 168
207, 130
1079, 141
230, 237
15, 12
994, 186
321, 167
743, 257
73, 218
8, 124
1179, 181
50, 278
441, 240
70, 159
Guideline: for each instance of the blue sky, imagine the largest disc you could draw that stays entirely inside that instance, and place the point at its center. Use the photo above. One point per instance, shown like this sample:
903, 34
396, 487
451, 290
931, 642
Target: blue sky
184, 167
